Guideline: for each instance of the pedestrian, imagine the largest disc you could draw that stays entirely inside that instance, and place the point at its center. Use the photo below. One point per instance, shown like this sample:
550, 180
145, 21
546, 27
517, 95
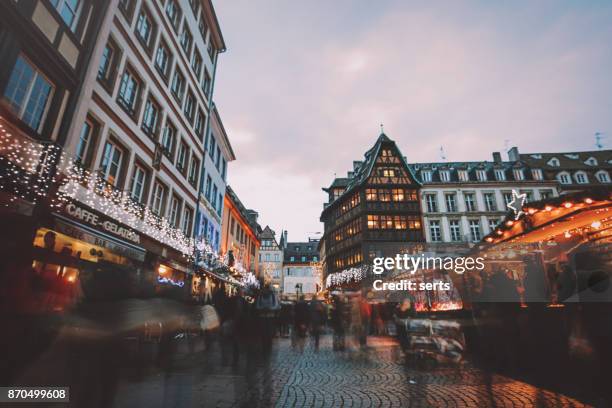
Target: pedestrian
301, 317
402, 315
365, 312
339, 321
267, 306
317, 319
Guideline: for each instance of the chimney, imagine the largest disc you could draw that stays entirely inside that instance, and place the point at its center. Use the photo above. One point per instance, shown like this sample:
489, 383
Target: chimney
497, 157
285, 239
513, 154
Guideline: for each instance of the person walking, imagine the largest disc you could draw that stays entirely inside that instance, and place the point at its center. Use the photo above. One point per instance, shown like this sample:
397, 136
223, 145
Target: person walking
317, 319
267, 306
402, 315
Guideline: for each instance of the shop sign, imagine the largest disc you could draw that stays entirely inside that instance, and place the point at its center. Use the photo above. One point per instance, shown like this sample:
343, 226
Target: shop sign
101, 221
115, 247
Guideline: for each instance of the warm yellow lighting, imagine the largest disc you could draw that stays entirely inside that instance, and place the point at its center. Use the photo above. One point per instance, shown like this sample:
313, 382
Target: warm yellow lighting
588, 200
162, 269
567, 205
596, 224
510, 222
548, 208
568, 234
532, 211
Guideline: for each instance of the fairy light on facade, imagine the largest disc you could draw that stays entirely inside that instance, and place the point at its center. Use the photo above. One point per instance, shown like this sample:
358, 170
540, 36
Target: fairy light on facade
346, 276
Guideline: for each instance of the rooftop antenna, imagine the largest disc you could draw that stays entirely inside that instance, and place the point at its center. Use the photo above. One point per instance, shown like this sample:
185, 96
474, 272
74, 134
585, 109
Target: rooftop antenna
442, 154
382, 128
598, 137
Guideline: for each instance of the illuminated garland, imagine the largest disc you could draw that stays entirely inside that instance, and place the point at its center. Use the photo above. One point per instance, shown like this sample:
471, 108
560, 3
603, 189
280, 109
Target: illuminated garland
346, 276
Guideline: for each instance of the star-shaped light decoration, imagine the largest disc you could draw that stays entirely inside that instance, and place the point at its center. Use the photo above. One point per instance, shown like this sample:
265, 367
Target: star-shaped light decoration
517, 203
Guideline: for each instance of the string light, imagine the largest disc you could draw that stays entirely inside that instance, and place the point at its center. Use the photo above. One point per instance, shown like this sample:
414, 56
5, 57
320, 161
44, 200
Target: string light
354, 274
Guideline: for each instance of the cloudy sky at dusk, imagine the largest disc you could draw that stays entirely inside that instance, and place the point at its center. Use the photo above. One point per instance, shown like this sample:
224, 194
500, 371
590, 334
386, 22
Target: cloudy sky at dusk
304, 85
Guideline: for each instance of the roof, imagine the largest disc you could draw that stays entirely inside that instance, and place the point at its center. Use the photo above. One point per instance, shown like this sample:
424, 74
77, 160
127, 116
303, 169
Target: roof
247, 214
215, 31
362, 170
569, 160
299, 249
224, 139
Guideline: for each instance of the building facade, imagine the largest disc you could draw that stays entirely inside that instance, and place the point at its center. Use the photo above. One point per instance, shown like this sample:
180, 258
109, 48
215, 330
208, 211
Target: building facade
464, 201
240, 234
271, 259
372, 212
46, 49
213, 182
301, 269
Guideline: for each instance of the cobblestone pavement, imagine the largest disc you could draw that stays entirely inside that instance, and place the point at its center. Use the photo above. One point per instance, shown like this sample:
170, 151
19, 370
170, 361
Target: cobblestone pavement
297, 375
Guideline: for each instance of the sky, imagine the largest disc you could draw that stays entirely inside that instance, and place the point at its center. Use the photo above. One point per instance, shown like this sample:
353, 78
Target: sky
304, 86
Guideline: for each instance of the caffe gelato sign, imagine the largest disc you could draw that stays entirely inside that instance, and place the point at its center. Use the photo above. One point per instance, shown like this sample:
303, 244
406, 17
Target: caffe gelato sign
100, 221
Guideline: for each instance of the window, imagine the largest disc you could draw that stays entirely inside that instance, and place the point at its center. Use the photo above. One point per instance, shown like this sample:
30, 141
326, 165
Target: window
470, 201
196, 63
208, 187
445, 176
426, 175
150, 118
175, 211
387, 172
451, 202
544, 194
145, 28
455, 230
481, 175
84, 142
581, 177
434, 231
168, 139
190, 106
220, 204
528, 195
397, 194
371, 194
181, 160
178, 85
507, 197
432, 203
159, 198
218, 160
384, 195
163, 59
187, 219
127, 8
108, 64
500, 175
68, 9
489, 199
28, 93
212, 147
194, 167
373, 222
536, 174
173, 11
518, 174
475, 230
137, 184
564, 178
554, 162
463, 175
591, 161
186, 40
129, 91
199, 124
111, 163
603, 176
223, 168
213, 196
492, 224
211, 50
206, 83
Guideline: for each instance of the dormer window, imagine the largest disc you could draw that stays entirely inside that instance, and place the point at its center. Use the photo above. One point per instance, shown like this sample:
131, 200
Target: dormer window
581, 177
445, 176
518, 174
463, 175
554, 162
536, 174
564, 178
500, 175
591, 161
603, 176
481, 175
426, 176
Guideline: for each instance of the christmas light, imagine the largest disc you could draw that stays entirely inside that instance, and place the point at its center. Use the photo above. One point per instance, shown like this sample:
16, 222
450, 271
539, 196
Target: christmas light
346, 276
